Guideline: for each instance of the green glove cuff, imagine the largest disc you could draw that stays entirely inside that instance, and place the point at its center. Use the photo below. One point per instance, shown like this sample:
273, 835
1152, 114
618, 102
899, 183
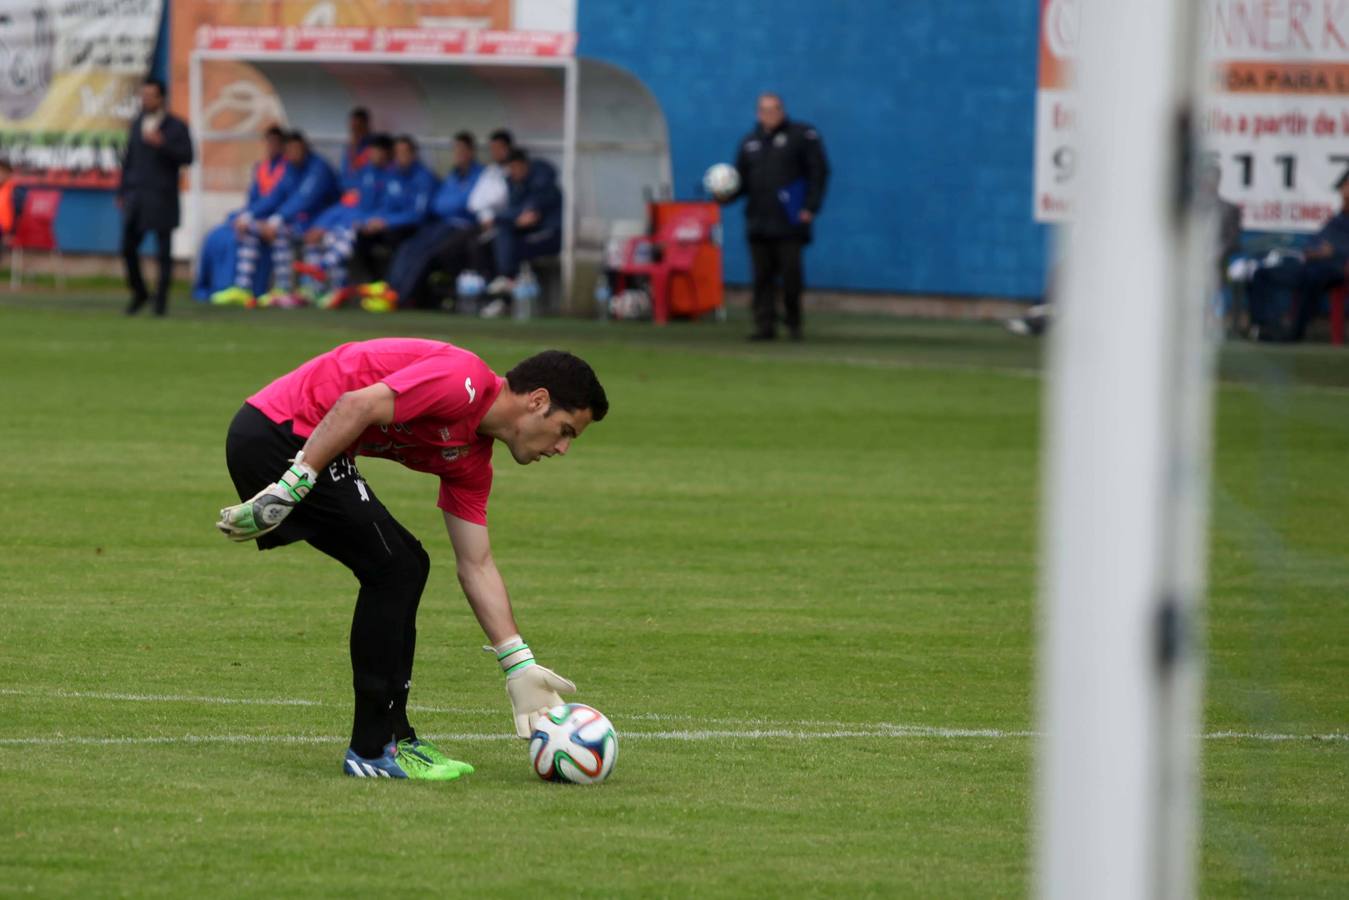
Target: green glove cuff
298, 480
514, 655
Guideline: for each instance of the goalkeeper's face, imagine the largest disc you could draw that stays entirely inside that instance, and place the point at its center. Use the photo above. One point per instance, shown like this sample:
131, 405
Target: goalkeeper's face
545, 430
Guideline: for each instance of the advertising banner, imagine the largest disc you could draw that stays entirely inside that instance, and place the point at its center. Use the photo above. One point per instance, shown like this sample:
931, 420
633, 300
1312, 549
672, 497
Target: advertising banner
1056, 111
1275, 115
70, 71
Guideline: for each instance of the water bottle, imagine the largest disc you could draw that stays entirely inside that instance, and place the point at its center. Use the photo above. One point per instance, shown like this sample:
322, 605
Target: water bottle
602, 295
525, 293
468, 289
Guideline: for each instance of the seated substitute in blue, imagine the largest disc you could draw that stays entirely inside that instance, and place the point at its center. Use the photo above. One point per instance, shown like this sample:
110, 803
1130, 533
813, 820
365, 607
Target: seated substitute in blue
218, 255
470, 194
330, 239
404, 207
310, 187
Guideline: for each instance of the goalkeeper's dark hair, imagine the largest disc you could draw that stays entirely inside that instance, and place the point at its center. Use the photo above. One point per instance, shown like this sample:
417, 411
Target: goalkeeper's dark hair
571, 383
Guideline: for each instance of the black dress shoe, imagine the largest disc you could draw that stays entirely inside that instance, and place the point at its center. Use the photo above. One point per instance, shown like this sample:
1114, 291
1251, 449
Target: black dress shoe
135, 305
762, 336
796, 335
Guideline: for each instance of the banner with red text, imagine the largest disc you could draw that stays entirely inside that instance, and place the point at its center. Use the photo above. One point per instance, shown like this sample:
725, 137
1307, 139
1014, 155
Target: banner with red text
1275, 115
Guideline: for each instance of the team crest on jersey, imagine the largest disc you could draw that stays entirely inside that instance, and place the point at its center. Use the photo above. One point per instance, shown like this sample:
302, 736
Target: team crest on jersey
453, 453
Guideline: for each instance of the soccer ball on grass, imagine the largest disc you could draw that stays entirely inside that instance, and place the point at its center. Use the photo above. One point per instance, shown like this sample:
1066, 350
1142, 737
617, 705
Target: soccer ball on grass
573, 743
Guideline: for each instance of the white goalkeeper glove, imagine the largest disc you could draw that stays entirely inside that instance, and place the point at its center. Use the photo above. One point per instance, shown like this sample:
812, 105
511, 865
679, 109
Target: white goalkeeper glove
533, 690
269, 507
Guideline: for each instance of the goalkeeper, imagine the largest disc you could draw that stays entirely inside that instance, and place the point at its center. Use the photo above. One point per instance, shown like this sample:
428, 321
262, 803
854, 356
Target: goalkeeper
434, 408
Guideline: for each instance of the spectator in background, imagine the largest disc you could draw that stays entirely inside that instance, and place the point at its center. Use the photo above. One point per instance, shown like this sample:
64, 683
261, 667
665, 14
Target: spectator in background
405, 206
309, 187
355, 153
331, 240
470, 194
218, 256
528, 227
158, 146
1306, 279
783, 173
500, 143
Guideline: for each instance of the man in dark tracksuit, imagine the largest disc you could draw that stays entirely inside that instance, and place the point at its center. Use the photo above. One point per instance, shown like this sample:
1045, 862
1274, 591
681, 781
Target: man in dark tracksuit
783, 172
156, 148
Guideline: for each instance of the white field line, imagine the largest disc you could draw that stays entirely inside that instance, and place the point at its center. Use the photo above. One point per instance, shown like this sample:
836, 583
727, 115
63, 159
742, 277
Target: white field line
751, 728
702, 735
159, 698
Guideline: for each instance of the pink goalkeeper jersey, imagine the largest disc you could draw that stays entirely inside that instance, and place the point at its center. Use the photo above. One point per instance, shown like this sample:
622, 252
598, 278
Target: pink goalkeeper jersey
442, 392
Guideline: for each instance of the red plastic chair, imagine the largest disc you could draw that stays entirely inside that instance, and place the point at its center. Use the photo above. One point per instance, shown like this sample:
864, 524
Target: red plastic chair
676, 246
35, 230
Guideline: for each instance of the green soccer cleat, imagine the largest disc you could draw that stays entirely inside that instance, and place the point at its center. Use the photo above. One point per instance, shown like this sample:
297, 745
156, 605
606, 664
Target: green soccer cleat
395, 763
234, 296
429, 751
336, 298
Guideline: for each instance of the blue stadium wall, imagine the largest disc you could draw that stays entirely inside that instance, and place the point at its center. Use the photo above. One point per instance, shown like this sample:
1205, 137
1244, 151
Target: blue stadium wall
927, 109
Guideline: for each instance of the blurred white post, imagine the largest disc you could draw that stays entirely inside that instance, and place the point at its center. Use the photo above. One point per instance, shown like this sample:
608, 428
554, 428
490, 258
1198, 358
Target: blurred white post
196, 216
570, 104
1126, 477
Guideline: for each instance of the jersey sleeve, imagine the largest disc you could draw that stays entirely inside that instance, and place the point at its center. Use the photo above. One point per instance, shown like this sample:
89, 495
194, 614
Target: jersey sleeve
466, 497
437, 386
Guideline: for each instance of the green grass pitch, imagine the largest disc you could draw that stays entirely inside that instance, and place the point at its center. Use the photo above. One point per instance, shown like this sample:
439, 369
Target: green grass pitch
799, 579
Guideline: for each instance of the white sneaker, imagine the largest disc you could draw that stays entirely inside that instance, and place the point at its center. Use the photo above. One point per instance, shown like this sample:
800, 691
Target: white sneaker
501, 285
494, 310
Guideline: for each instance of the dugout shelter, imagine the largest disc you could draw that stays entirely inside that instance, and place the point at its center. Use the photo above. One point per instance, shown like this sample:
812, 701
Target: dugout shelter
597, 123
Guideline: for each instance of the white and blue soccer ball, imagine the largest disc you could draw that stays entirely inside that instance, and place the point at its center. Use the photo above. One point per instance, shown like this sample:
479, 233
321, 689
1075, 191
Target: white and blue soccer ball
721, 180
573, 743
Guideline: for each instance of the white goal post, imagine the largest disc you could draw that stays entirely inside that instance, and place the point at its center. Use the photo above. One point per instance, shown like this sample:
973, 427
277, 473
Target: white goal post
1126, 475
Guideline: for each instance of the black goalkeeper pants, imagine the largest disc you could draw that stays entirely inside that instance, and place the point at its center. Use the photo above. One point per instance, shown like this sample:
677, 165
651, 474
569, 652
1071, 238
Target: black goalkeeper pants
344, 519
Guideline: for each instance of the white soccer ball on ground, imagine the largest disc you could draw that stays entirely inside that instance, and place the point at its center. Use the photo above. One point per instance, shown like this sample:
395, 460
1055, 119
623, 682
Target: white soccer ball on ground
632, 304
721, 180
573, 743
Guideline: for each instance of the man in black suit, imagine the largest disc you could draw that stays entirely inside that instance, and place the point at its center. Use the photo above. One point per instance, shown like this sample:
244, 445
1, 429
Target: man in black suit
156, 148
